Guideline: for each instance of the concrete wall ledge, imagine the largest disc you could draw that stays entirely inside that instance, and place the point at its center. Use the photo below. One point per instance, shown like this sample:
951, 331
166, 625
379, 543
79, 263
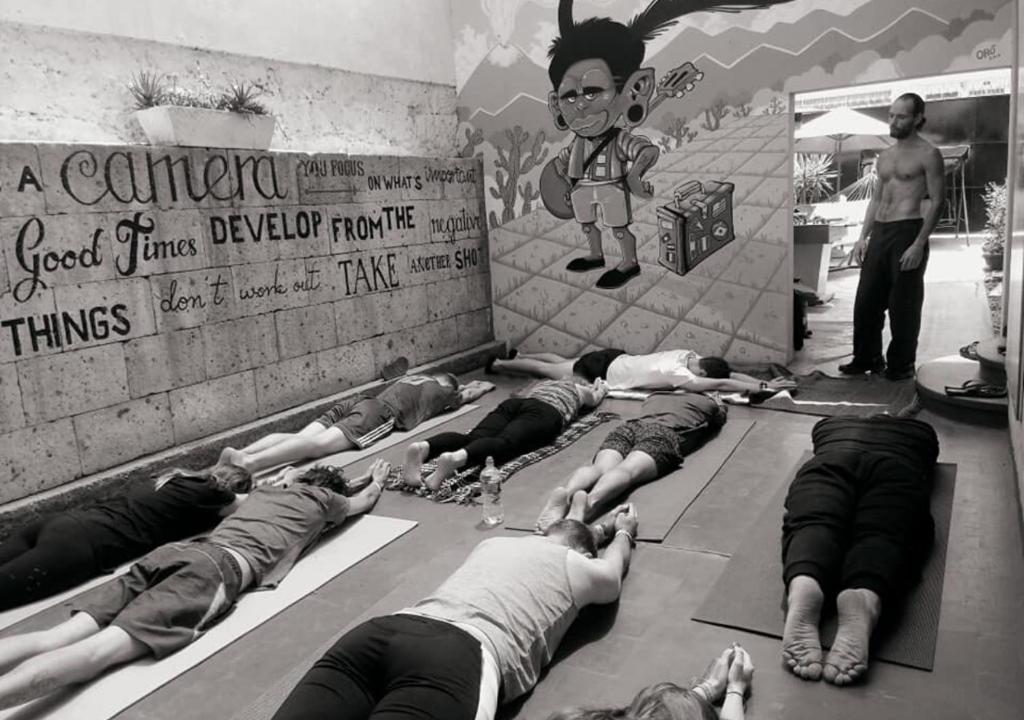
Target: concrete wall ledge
203, 452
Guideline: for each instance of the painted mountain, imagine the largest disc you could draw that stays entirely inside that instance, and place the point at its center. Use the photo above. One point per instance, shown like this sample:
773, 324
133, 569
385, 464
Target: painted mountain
737, 63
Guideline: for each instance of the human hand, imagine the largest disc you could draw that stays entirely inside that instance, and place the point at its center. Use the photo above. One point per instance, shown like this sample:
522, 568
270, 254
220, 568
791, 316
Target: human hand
627, 520
285, 478
600, 389
781, 384
715, 678
638, 186
379, 470
741, 670
912, 257
859, 251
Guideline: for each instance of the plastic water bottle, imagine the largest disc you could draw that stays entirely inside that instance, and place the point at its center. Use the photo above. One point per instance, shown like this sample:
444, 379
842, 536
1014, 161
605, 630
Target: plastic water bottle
490, 491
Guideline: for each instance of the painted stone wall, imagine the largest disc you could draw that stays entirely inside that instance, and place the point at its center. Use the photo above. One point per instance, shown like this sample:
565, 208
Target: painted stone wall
62, 85
731, 125
151, 296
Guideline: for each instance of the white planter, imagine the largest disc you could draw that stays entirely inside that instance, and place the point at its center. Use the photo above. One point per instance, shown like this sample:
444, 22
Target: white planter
200, 127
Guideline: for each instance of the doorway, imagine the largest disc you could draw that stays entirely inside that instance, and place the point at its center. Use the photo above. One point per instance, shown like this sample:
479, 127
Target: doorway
838, 133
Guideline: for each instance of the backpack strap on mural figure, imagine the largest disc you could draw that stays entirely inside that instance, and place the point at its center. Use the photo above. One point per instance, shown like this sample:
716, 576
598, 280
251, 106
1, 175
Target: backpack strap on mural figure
605, 142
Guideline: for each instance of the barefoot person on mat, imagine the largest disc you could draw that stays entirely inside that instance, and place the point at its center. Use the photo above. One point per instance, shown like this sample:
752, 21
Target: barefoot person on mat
857, 527
726, 681
63, 550
486, 632
175, 593
359, 421
639, 451
518, 425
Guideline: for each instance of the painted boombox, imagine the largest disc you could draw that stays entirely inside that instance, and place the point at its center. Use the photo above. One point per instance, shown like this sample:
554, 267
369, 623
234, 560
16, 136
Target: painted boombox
696, 224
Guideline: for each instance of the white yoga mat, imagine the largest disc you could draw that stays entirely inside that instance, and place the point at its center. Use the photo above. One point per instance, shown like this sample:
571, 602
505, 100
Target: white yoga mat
122, 687
348, 457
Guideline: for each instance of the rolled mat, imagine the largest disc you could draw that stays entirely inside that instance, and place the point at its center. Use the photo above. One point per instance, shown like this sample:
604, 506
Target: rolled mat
659, 503
748, 595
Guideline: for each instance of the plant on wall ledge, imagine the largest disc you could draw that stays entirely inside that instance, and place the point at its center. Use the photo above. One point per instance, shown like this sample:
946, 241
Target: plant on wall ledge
995, 224
232, 118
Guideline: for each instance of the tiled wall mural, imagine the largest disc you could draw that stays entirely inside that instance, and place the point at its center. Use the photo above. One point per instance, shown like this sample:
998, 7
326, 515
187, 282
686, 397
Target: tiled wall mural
714, 241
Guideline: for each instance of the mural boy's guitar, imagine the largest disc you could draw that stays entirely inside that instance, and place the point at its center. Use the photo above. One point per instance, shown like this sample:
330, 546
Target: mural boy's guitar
555, 187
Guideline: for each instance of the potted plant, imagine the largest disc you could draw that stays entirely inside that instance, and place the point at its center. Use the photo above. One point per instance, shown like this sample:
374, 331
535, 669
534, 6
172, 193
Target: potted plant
173, 115
995, 225
812, 177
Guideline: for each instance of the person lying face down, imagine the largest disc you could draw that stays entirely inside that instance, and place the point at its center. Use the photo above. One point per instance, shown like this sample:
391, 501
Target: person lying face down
518, 425
666, 370
359, 421
638, 451
726, 681
63, 550
172, 595
490, 628
858, 527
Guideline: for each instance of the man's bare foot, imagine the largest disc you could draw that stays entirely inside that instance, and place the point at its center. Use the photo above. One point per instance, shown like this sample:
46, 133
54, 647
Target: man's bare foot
554, 510
230, 456
801, 641
858, 611
412, 468
579, 506
446, 467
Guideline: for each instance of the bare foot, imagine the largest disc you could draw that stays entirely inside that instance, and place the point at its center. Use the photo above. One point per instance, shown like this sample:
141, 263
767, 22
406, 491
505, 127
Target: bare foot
554, 510
801, 643
412, 468
858, 612
446, 467
230, 456
579, 506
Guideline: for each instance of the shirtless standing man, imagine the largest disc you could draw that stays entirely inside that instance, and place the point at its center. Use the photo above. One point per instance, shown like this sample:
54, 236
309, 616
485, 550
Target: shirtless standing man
894, 261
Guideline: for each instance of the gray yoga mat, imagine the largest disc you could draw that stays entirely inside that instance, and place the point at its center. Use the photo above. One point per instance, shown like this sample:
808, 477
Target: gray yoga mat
659, 503
748, 596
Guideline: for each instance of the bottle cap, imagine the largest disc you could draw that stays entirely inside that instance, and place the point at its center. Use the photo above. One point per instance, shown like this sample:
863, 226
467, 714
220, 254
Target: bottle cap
490, 461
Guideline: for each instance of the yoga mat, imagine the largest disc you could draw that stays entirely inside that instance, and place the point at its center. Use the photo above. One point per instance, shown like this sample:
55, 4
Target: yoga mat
749, 593
348, 457
659, 503
117, 690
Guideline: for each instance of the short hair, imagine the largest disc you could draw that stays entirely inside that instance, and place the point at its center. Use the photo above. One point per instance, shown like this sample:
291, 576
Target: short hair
222, 476
446, 379
327, 476
599, 39
576, 535
916, 103
715, 367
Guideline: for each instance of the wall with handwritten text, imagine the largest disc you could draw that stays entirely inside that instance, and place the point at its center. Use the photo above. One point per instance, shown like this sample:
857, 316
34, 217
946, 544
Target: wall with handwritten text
152, 296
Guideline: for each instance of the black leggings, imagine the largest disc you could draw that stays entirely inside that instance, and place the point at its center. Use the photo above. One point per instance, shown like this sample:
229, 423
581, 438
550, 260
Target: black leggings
883, 286
391, 667
858, 519
515, 427
44, 559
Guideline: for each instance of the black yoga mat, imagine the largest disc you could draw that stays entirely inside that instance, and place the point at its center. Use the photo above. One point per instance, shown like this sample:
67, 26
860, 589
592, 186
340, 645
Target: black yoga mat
748, 596
659, 503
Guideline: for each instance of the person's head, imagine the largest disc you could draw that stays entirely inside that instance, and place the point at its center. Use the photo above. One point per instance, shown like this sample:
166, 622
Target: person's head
595, 73
668, 701
446, 380
222, 476
574, 535
906, 115
710, 366
664, 701
327, 476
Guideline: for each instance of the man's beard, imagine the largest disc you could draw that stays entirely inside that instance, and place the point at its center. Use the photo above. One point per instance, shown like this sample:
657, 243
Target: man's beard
899, 133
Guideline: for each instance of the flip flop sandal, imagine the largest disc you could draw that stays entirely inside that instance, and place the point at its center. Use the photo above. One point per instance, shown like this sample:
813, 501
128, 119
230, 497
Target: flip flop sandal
970, 351
976, 388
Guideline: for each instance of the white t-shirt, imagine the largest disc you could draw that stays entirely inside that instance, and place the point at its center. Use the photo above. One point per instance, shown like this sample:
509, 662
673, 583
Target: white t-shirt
656, 371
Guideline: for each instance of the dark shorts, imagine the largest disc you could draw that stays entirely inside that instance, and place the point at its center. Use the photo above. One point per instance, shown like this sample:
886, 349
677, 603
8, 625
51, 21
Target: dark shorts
170, 597
593, 365
659, 441
364, 420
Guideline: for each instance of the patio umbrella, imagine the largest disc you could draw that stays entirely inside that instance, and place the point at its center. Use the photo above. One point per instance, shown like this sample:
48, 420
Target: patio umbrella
842, 127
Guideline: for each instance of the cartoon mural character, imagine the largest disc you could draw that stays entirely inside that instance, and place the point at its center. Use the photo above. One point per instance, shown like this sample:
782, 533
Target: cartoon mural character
601, 93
